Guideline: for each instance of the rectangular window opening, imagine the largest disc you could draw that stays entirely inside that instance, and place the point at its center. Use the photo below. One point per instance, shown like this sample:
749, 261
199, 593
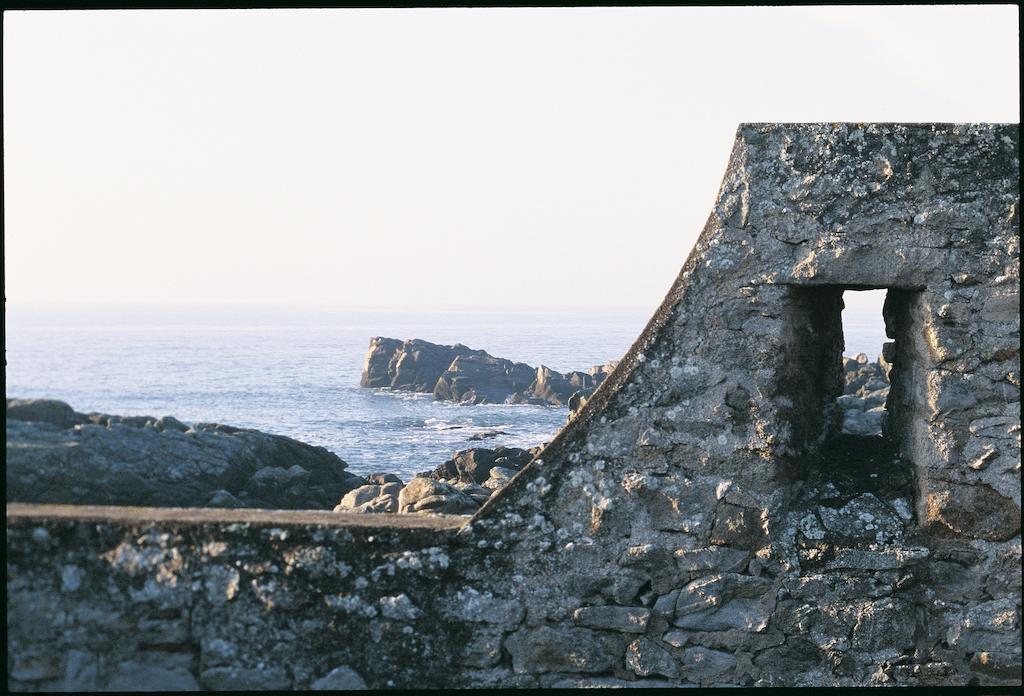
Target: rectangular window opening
850, 388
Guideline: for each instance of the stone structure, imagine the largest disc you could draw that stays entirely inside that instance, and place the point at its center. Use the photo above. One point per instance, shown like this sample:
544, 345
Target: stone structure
698, 522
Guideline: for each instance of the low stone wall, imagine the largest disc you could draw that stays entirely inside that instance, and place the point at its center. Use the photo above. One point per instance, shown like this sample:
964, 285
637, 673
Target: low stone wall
141, 598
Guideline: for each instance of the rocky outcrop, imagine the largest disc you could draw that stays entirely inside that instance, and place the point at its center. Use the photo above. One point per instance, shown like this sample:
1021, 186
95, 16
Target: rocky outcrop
57, 455
458, 373
865, 391
476, 464
458, 487
409, 365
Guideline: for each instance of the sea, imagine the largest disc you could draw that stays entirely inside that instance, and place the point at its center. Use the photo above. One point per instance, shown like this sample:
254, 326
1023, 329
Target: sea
295, 371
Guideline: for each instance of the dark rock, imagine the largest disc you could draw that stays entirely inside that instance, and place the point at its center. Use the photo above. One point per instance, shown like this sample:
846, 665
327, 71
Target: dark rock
412, 365
1001, 665
428, 495
723, 602
132, 676
99, 459
381, 479
885, 623
43, 411
243, 679
865, 518
475, 465
863, 423
458, 373
613, 618
645, 658
487, 435
577, 401
342, 678
484, 379
704, 665
379, 365
976, 511
736, 526
223, 499
564, 649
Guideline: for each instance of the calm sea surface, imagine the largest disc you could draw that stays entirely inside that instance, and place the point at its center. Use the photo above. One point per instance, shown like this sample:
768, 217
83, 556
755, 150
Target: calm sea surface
295, 371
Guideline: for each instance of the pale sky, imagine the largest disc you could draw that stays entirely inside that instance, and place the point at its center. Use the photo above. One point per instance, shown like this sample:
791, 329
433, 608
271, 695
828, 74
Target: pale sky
435, 158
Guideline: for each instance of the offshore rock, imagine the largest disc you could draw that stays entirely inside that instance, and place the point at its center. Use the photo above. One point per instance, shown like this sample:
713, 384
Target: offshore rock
458, 373
57, 455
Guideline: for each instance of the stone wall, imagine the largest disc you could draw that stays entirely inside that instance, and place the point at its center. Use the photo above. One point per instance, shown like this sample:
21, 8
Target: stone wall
131, 599
698, 522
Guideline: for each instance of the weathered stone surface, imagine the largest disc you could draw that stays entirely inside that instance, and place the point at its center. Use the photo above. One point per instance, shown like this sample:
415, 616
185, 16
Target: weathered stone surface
547, 649
713, 559
865, 517
612, 683
371, 498
132, 676
342, 678
736, 526
473, 606
423, 494
722, 602
612, 618
399, 608
707, 666
975, 511
646, 658
242, 679
60, 456
885, 623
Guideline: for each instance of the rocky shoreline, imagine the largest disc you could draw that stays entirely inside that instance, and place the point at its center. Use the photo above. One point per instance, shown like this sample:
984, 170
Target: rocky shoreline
58, 455
464, 375
55, 454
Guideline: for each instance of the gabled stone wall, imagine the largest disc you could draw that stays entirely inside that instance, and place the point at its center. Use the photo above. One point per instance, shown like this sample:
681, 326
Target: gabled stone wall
698, 522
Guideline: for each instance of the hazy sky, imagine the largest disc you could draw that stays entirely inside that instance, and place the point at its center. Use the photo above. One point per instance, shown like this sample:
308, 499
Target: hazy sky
529, 157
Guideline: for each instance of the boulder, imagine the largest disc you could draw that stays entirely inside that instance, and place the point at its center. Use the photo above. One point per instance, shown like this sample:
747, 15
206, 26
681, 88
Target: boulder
49, 411
428, 495
475, 465
863, 423
371, 498
500, 476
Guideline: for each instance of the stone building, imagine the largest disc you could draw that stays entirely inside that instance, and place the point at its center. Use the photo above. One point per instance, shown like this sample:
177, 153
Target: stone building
700, 521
